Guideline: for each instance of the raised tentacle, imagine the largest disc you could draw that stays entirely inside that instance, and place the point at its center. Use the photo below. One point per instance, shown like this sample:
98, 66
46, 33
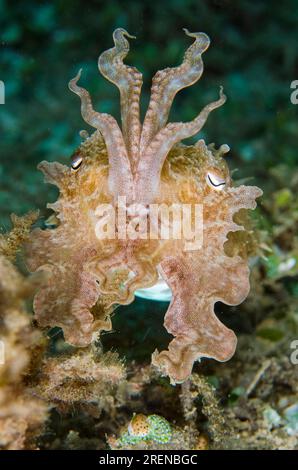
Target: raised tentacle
166, 84
129, 81
150, 166
120, 176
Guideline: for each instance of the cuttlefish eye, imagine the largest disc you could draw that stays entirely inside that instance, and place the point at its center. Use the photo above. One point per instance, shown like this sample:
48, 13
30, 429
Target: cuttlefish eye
215, 181
76, 162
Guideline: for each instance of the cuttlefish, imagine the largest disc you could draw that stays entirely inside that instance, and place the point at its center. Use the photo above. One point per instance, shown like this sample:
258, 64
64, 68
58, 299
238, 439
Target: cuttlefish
96, 258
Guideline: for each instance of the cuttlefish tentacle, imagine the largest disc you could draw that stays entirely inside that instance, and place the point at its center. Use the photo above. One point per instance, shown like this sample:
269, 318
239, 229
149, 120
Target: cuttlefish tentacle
129, 81
120, 176
151, 164
166, 84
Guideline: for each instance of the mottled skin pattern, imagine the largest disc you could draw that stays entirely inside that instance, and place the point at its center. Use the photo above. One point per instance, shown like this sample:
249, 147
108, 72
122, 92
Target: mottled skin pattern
147, 164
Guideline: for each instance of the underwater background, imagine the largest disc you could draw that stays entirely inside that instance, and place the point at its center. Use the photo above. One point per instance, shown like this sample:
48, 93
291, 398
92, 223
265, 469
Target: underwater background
253, 54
